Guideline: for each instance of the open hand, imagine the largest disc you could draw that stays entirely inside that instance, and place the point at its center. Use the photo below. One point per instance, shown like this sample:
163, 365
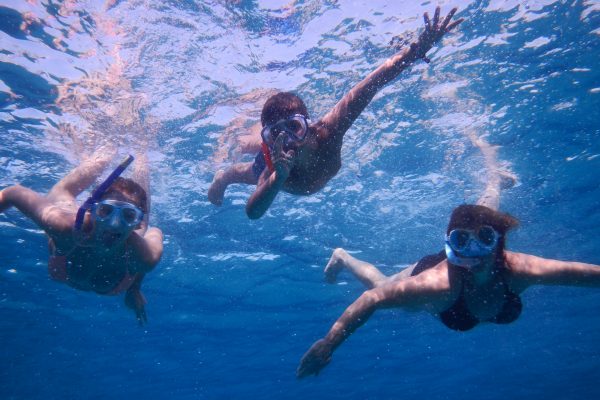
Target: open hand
315, 359
135, 300
434, 30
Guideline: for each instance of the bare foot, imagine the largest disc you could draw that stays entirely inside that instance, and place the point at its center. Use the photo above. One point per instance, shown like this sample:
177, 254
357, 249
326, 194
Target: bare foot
3, 201
335, 265
507, 179
216, 191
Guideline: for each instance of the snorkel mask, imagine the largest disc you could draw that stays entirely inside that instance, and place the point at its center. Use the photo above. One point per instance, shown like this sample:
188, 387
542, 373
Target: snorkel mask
294, 128
112, 218
466, 247
115, 212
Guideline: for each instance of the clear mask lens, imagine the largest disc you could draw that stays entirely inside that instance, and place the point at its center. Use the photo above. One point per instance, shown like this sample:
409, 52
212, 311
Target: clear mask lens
295, 128
487, 236
104, 211
128, 214
471, 243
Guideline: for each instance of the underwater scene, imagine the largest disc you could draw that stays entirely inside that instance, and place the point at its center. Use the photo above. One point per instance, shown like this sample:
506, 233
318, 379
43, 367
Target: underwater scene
271, 139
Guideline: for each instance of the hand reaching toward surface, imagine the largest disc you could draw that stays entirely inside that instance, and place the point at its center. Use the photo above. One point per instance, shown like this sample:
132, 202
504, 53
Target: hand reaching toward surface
434, 31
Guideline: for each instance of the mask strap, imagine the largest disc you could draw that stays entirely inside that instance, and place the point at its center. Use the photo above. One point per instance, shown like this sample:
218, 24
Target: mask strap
267, 156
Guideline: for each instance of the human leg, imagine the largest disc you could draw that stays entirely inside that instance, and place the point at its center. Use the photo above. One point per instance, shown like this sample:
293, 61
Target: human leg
367, 273
237, 173
496, 179
251, 143
141, 175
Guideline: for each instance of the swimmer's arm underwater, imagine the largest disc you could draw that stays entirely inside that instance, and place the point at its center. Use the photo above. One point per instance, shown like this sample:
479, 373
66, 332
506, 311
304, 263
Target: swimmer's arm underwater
35, 207
40, 209
83, 176
341, 117
429, 291
528, 270
147, 249
269, 184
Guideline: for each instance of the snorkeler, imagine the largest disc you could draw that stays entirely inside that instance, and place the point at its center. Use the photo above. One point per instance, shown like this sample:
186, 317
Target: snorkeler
299, 156
105, 245
474, 280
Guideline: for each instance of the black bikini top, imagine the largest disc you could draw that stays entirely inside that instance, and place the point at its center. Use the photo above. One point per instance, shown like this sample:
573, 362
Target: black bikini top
458, 316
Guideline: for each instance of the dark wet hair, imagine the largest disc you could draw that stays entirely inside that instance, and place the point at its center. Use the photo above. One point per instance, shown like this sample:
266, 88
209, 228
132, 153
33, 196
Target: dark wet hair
469, 216
280, 106
125, 189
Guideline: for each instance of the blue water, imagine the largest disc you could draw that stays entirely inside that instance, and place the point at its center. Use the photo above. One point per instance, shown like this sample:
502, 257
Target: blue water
235, 303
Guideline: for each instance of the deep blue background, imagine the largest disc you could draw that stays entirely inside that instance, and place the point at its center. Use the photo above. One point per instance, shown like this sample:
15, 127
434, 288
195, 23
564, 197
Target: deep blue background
235, 303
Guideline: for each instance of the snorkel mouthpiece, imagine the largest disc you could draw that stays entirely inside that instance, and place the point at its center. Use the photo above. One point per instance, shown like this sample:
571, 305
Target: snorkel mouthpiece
465, 262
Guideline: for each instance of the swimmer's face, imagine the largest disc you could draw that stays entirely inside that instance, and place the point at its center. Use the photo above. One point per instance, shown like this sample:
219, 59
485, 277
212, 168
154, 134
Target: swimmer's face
293, 127
114, 220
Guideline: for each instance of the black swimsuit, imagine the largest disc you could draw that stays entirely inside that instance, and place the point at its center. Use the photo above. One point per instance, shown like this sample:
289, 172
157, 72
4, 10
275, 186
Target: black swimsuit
458, 316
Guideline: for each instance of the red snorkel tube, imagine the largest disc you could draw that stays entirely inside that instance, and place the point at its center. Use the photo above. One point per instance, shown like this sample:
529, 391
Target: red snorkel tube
267, 156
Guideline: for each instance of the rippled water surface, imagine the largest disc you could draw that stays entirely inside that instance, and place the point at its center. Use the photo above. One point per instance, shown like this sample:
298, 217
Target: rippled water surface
234, 303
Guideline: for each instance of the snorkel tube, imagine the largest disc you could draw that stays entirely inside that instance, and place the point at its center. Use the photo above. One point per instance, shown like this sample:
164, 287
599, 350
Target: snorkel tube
267, 156
99, 191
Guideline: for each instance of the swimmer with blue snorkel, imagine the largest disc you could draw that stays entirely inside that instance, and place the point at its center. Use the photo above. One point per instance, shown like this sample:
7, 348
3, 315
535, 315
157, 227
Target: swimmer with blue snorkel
105, 245
474, 280
299, 156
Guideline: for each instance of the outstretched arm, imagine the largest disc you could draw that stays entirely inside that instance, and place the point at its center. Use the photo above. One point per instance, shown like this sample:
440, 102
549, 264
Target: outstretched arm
82, 177
41, 209
429, 290
341, 117
34, 206
530, 270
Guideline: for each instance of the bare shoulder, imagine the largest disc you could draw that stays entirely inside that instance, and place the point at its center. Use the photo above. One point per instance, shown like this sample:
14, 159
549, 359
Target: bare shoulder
322, 130
57, 220
154, 233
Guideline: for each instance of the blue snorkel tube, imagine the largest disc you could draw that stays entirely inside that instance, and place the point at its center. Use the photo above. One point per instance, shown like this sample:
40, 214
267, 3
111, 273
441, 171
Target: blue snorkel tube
99, 191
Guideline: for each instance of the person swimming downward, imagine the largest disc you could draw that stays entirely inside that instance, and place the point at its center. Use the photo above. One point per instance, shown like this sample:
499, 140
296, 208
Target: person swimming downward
300, 156
474, 280
104, 246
